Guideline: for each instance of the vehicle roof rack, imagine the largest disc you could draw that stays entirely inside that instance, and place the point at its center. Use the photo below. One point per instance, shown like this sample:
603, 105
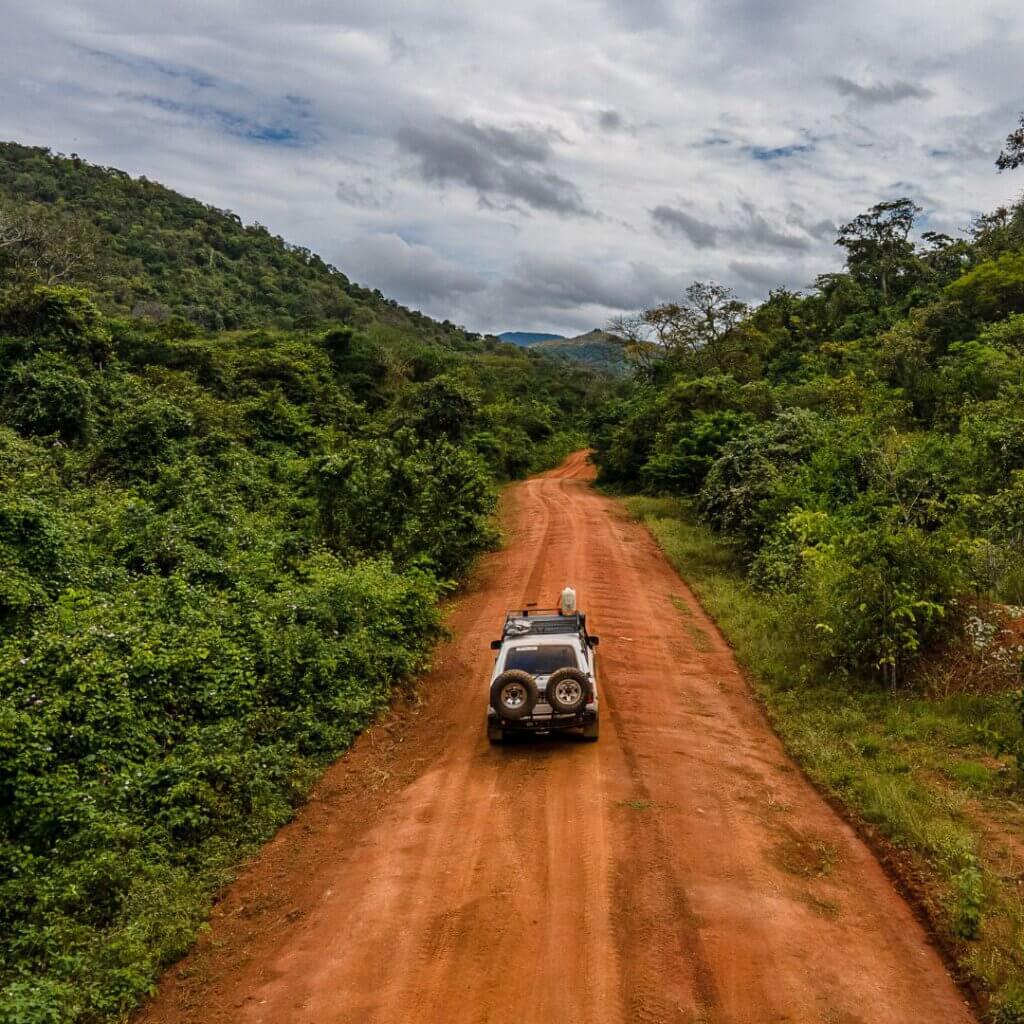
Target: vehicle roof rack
543, 622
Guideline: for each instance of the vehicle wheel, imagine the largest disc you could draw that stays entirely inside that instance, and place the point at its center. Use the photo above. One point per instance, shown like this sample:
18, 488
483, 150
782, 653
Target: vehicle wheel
495, 734
590, 731
514, 694
567, 691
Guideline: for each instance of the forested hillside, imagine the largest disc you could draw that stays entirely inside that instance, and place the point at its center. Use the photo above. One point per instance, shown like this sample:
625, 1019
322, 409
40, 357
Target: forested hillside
218, 552
148, 251
598, 349
527, 338
858, 455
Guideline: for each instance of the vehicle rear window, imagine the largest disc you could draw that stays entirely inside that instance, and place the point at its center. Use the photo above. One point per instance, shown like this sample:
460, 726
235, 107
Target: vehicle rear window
541, 661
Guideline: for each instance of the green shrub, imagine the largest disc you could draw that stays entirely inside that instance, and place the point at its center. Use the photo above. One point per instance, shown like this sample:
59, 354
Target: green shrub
683, 453
47, 396
59, 317
422, 503
442, 407
968, 902
34, 556
161, 728
740, 492
877, 596
141, 435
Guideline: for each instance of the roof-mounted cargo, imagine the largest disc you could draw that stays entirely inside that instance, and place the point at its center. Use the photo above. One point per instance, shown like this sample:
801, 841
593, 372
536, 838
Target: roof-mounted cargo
543, 622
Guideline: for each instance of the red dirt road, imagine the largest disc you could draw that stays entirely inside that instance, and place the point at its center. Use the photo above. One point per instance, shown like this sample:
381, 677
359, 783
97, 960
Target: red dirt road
679, 870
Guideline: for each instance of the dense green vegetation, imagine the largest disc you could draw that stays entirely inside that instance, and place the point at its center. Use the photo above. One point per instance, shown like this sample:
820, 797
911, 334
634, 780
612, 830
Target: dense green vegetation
842, 475
864, 444
218, 554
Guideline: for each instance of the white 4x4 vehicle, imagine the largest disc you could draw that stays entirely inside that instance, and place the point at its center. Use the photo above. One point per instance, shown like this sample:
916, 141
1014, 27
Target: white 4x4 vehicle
545, 675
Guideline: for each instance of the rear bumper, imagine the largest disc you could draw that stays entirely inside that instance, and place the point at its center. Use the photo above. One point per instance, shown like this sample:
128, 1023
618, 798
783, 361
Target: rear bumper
544, 722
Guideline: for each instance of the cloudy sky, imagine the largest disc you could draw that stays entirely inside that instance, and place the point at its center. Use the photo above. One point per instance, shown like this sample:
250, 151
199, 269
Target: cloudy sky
535, 165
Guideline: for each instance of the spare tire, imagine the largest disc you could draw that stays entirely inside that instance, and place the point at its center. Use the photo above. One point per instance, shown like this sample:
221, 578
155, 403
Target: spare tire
567, 691
514, 694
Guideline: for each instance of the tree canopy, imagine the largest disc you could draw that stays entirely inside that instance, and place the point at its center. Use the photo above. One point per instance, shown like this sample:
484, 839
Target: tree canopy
860, 443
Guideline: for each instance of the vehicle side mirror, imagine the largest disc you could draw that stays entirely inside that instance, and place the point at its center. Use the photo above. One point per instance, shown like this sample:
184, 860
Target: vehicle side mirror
593, 641
495, 645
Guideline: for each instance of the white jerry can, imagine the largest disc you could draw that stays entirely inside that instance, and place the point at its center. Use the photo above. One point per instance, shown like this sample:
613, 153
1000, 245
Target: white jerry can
567, 604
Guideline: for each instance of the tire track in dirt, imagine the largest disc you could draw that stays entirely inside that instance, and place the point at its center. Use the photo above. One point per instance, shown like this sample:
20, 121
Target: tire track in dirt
670, 977
680, 870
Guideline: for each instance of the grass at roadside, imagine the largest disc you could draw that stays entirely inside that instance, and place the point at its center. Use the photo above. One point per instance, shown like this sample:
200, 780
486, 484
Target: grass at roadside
926, 774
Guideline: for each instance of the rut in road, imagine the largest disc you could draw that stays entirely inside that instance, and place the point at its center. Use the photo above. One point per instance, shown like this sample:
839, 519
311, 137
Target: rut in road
680, 870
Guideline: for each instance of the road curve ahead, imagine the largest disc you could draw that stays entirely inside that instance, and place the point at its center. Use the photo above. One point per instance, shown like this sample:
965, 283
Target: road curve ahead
679, 870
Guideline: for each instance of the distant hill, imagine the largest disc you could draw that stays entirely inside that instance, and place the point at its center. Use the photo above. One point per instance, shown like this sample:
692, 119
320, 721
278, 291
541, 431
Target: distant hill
527, 339
599, 349
157, 255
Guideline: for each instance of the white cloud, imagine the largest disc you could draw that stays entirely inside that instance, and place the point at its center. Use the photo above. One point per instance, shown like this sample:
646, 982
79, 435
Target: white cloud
879, 92
531, 165
412, 273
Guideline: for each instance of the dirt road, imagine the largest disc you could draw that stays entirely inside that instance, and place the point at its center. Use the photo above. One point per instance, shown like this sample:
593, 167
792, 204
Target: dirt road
680, 870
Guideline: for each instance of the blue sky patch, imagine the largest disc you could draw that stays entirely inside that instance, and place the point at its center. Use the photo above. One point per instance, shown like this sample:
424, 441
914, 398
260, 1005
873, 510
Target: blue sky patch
200, 79
779, 152
277, 131
216, 102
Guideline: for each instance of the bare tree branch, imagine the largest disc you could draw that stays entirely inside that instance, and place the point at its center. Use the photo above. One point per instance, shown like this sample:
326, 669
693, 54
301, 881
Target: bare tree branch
698, 328
44, 245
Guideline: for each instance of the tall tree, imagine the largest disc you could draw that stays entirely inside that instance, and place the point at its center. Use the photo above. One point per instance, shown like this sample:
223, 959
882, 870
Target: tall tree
1013, 155
698, 327
877, 243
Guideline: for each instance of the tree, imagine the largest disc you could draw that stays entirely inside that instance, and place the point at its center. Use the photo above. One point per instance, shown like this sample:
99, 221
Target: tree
948, 257
878, 246
45, 246
15, 230
643, 352
698, 327
1013, 155
992, 234
441, 407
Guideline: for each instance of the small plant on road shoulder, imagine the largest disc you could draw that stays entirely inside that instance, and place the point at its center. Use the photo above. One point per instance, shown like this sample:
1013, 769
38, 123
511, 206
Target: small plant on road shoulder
968, 902
1009, 1009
